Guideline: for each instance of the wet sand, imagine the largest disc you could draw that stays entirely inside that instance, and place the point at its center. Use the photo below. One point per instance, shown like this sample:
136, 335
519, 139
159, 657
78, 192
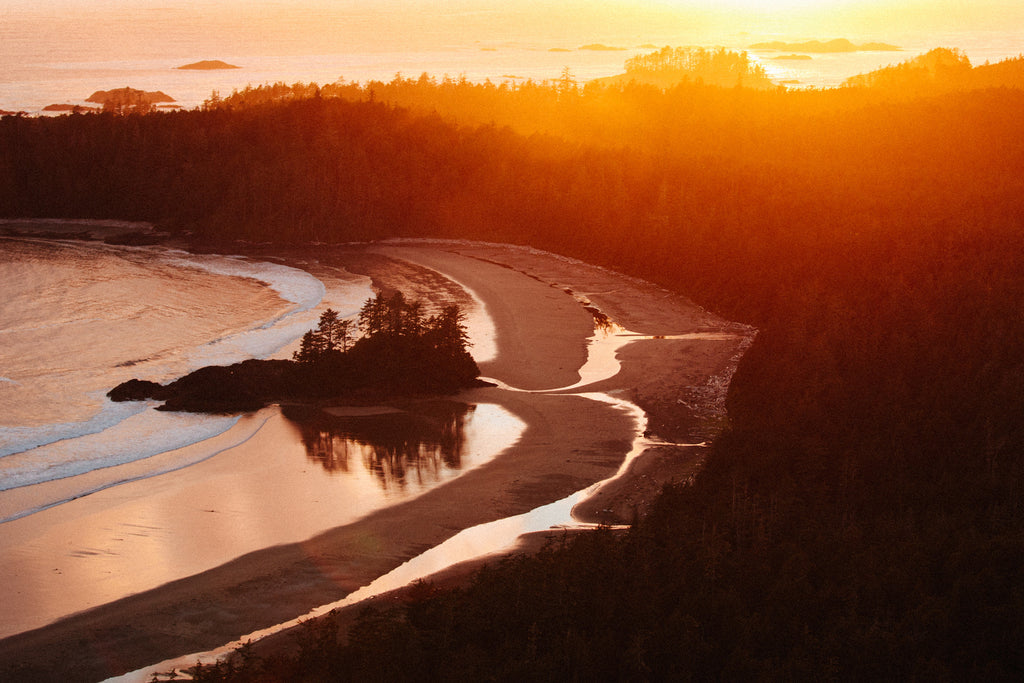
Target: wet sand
537, 304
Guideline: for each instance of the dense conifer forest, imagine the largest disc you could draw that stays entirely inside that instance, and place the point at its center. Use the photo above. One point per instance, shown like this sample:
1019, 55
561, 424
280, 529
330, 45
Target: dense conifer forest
861, 515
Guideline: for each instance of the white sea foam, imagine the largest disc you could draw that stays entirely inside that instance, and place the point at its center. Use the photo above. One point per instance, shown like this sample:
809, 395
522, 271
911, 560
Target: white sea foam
292, 284
18, 439
266, 337
131, 435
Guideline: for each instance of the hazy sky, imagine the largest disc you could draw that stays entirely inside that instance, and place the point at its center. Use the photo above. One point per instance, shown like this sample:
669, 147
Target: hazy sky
799, 15
286, 25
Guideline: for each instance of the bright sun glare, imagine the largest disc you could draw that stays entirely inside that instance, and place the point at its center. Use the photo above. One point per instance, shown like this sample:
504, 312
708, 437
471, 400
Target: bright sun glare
761, 5
767, 9
773, 4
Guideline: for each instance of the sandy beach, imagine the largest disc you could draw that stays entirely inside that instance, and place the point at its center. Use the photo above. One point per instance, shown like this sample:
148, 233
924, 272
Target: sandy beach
676, 371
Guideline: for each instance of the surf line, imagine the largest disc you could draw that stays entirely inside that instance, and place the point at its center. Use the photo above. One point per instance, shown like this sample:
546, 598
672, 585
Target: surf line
491, 539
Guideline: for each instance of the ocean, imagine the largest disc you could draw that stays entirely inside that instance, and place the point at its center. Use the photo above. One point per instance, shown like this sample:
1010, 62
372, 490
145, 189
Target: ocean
51, 57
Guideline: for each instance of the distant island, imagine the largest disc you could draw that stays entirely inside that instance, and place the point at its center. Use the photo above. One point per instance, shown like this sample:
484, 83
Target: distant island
600, 47
401, 353
69, 107
208, 65
837, 45
670, 66
794, 57
129, 95
129, 99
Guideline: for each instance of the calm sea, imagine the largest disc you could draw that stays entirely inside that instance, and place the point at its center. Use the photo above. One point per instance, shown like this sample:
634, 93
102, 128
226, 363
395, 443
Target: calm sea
54, 57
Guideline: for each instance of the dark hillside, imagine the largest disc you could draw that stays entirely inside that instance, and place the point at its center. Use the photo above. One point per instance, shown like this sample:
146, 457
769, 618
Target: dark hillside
860, 517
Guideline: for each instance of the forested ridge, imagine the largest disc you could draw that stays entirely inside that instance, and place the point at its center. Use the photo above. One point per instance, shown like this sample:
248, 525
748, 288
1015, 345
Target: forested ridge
859, 518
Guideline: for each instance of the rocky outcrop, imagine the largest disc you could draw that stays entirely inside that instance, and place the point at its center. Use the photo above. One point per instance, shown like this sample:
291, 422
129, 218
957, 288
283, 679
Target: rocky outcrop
253, 384
241, 387
135, 390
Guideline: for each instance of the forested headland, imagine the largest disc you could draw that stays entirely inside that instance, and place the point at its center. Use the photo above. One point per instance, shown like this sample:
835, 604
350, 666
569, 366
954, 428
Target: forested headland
859, 518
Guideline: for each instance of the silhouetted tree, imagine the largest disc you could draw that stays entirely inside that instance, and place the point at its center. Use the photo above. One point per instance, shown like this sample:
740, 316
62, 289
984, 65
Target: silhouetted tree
311, 348
334, 330
446, 331
391, 316
331, 336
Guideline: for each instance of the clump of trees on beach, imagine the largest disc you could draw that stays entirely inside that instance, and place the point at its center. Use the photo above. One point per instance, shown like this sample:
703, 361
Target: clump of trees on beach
401, 352
330, 337
397, 337
387, 321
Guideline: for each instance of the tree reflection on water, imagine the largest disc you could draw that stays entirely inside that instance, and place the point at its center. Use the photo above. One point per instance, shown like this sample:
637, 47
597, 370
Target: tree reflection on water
413, 446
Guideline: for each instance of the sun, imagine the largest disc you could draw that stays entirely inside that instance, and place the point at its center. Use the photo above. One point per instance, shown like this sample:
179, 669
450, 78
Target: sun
767, 5
780, 16
773, 5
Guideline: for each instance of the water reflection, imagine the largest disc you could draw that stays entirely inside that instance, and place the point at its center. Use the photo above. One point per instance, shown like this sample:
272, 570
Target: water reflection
418, 445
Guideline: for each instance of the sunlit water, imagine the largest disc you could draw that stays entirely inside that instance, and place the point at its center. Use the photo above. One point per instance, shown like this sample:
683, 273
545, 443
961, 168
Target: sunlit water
101, 499
475, 542
63, 57
275, 480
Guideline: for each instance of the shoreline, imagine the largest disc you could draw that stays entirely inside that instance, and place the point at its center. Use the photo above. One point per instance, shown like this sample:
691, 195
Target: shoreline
569, 443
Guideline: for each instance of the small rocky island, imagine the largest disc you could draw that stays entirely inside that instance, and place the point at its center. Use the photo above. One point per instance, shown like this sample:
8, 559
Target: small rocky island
207, 65
69, 108
401, 353
129, 96
122, 100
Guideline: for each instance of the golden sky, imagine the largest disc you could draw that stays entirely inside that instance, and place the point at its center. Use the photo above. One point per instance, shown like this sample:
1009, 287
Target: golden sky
568, 23
800, 12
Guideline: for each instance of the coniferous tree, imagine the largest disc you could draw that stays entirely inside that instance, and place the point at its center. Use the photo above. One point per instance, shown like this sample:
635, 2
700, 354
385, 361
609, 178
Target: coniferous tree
372, 316
334, 331
311, 348
330, 336
447, 330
